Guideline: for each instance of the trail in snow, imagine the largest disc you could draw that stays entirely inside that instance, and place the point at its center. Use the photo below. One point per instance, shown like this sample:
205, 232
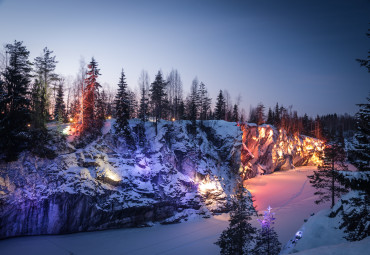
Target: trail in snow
287, 192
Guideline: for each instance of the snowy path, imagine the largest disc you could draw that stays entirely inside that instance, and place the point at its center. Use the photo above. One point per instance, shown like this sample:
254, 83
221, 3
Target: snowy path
289, 194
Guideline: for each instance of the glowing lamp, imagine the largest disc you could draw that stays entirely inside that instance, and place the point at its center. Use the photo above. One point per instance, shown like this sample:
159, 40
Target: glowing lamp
28, 125
109, 117
70, 119
173, 119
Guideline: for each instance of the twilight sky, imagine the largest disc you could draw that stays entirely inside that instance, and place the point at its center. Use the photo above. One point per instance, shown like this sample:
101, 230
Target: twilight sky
299, 53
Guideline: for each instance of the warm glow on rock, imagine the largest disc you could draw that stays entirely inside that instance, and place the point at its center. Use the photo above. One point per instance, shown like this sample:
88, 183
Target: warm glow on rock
113, 176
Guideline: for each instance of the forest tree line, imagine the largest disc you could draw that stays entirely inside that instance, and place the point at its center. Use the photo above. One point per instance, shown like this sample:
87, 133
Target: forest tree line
33, 94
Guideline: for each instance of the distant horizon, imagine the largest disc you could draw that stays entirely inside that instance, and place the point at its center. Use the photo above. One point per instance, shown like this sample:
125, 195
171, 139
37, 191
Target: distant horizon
299, 54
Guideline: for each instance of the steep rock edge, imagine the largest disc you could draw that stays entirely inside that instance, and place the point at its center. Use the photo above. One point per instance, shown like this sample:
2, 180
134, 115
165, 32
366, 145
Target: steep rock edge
110, 183
266, 149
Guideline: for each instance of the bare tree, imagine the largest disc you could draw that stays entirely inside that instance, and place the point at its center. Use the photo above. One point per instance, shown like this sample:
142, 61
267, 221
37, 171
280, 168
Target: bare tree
174, 92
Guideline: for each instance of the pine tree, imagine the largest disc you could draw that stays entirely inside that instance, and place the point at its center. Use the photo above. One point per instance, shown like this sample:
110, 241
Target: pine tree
326, 179
220, 107
158, 98
237, 238
362, 138
122, 105
267, 238
60, 108
15, 103
90, 121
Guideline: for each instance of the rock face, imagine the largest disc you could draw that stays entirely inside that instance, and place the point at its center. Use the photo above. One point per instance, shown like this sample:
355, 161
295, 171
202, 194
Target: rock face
123, 182
266, 149
115, 182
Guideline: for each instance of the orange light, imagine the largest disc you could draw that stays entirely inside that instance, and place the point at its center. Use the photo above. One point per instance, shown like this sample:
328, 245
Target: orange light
109, 117
173, 119
70, 119
28, 125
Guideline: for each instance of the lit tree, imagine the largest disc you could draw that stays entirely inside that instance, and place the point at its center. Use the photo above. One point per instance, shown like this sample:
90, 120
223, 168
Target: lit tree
267, 241
237, 238
15, 103
122, 105
326, 179
90, 122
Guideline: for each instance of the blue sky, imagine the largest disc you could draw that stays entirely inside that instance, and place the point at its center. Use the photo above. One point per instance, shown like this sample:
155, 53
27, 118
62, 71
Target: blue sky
299, 53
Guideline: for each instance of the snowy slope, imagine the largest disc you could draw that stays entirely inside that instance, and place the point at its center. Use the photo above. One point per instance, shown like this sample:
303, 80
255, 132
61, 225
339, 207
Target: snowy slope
322, 234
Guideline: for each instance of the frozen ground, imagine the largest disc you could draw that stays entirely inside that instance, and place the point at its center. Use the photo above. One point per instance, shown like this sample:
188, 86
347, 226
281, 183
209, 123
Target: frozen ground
289, 194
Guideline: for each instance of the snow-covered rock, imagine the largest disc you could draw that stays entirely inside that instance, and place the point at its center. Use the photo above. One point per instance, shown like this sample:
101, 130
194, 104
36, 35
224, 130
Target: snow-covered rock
110, 183
266, 149
122, 182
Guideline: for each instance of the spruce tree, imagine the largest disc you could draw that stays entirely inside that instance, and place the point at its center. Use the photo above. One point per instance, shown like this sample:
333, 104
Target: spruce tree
326, 179
260, 113
362, 138
270, 117
237, 238
220, 107
235, 117
122, 105
44, 69
204, 102
267, 241
194, 105
277, 115
158, 98
60, 108
144, 107
15, 103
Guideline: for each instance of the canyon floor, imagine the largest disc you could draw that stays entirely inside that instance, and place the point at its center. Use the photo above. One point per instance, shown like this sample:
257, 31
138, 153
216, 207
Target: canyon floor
289, 193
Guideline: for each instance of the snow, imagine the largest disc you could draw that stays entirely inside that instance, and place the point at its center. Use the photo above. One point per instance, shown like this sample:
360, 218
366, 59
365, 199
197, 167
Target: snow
354, 248
196, 236
290, 195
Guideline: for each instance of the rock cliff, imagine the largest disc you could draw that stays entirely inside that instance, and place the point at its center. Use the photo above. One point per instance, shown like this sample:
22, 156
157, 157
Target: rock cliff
117, 182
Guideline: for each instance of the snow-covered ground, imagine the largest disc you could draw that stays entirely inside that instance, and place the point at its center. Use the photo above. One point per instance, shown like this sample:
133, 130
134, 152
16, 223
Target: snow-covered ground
288, 192
290, 195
